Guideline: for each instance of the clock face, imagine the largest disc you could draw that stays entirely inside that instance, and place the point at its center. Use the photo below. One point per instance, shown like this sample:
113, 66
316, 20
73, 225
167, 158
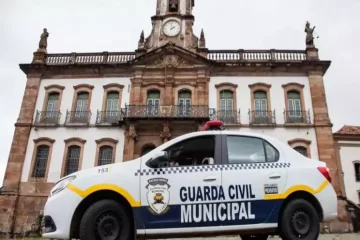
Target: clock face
171, 28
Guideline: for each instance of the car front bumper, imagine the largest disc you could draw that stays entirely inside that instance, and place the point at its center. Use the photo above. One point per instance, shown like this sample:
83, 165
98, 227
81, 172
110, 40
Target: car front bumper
58, 214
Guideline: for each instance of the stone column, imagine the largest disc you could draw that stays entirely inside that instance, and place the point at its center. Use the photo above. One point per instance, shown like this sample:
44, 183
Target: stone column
169, 94
129, 146
9, 193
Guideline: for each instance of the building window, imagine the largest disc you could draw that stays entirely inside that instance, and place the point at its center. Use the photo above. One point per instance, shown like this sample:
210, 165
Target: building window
111, 112
302, 150
50, 112
250, 150
147, 148
41, 159
301, 145
153, 102
294, 107
227, 105
81, 104
357, 170
105, 151
173, 6
260, 103
184, 103
74, 148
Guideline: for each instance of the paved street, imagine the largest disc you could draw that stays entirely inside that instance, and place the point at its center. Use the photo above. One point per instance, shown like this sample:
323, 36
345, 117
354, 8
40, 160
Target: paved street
322, 237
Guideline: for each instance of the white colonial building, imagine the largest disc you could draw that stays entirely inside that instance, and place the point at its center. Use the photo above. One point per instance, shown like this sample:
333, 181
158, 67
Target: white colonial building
82, 110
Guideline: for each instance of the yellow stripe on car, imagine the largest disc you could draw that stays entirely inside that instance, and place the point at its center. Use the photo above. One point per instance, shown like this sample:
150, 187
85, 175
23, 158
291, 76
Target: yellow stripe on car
295, 189
98, 187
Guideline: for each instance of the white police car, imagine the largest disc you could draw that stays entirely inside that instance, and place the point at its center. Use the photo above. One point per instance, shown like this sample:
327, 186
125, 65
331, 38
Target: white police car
202, 183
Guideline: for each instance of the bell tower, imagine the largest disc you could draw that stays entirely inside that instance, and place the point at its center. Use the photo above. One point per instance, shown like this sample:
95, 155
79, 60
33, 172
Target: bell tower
173, 22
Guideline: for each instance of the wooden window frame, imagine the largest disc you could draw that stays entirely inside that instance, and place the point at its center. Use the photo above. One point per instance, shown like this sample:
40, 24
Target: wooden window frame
153, 87
82, 88
71, 142
227, 87
263, 87
300, 142
39, 142
112, 87
182, 88
105, 142
54, 88
296, 87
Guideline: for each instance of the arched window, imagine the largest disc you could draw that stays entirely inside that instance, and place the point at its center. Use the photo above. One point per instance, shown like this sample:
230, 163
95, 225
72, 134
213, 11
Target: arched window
173, 6
147, 149
184, 103
302, 150
41, 161
294, 106
105, 155
227, 106
153, 102
260, 107
81, 108
72, 159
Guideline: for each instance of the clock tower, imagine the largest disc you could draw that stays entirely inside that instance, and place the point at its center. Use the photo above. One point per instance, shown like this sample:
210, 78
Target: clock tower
173, 22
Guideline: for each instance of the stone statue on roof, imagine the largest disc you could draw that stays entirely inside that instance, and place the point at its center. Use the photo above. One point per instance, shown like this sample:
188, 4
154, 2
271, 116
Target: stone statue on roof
309, 34
43, 40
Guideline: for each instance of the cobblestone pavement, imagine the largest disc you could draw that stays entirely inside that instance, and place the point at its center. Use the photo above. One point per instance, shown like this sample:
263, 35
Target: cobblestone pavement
353, 236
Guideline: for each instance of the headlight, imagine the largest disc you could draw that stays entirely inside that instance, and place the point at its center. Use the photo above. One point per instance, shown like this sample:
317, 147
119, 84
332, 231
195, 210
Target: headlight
61, 185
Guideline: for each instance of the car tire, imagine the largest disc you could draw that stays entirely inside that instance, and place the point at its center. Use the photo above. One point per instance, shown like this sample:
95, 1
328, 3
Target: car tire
105, 219
299, 220
254, 237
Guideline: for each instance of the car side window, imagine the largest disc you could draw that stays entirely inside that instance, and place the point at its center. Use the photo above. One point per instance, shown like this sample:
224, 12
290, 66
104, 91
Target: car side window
194, 151
242, 149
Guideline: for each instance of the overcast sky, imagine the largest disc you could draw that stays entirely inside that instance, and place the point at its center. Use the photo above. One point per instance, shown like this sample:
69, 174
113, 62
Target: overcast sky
115, 25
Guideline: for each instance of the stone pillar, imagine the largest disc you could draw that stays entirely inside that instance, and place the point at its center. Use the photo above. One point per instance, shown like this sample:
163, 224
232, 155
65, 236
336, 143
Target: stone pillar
169, 94
325, 142
21, 134
129, 146
135, 92
166, 133
11, 185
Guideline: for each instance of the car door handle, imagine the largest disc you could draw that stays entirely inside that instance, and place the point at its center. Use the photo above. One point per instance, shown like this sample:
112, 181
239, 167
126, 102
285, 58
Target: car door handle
275, 177
209, 179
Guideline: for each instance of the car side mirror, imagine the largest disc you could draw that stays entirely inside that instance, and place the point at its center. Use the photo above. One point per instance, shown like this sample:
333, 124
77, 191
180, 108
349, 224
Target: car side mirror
158, 159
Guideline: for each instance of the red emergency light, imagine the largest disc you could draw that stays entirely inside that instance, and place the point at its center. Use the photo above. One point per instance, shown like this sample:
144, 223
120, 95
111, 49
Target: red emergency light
212, 125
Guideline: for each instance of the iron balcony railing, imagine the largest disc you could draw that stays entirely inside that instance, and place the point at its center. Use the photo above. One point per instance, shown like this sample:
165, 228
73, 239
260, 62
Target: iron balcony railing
297, 117
78, 117
110, 117
169, 111
262, 117
228, 116
47, 117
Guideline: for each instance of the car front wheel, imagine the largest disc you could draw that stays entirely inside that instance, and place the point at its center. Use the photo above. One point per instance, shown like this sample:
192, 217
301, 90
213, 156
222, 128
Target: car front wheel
255, 237
300, 221
105, 220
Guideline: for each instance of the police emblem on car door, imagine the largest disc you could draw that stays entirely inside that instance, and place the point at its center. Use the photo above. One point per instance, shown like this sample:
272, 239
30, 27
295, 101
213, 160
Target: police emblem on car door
158, 195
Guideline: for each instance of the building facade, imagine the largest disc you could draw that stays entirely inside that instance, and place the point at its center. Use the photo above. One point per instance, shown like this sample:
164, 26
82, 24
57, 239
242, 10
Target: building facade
347, 141
81, 110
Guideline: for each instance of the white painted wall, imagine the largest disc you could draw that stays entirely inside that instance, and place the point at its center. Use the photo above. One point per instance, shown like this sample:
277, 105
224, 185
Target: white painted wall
286, 134
276, 93
62, 133
96, 98
349, 154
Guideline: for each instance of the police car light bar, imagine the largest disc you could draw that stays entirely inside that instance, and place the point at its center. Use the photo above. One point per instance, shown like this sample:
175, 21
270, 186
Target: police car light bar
212, 125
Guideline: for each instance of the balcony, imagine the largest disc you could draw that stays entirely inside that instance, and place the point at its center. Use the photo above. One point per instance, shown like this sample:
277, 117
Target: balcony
262, 118
110, 117
166, 112
228, 116
47, 118
77, 117
297, 117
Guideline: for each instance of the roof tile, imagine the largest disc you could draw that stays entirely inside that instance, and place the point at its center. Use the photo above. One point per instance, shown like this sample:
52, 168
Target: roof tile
349, 130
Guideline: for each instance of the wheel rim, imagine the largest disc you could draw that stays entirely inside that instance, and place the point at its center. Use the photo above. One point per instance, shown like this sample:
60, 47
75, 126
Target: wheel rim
107, 226
300, 223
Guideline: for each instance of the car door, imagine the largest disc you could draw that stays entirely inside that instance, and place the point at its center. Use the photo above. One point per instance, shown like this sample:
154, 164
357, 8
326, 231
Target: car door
254, 173
171, 196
